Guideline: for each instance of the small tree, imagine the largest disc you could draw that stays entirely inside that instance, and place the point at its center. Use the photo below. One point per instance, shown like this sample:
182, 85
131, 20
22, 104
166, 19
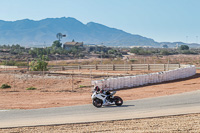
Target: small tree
165, 46
57, 44
39, 65
135, 50
164, 52
184, 47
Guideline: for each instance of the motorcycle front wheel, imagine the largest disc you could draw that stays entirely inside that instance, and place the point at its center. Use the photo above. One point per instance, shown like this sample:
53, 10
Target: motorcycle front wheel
118, 101
97, 102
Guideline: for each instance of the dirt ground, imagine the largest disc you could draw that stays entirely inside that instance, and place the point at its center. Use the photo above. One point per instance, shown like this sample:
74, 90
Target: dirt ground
58, 91
170, 124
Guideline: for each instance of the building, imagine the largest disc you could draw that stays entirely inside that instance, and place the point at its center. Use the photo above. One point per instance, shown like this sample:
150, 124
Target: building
4, 50
70, 45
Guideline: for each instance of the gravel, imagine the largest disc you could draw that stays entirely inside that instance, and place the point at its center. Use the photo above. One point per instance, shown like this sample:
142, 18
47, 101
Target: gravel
189, 123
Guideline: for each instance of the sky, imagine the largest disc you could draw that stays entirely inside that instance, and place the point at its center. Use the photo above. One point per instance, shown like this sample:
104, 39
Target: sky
161, 20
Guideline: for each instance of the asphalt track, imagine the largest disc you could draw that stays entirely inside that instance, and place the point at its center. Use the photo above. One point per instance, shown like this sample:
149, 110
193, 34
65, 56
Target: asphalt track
150, 107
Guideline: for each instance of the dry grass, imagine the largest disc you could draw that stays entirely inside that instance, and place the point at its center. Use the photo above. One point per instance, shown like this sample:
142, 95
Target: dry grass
170, 124
135, 59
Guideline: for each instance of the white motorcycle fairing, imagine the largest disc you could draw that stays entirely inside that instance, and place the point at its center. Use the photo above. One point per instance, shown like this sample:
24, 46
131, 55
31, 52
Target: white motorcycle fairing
103, 97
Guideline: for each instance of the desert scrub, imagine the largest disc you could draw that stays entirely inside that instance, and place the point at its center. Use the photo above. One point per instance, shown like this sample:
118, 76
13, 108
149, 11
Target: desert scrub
82, 86
5, 86
31, 88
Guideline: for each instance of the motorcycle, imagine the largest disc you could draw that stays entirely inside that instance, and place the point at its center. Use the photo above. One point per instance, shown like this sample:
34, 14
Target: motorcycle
100, 99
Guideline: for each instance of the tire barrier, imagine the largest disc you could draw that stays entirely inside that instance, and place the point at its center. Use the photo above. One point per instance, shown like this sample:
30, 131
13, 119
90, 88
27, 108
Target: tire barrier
139, 80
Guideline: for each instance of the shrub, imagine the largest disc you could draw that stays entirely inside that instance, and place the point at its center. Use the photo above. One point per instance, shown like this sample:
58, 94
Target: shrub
141, 51
14, 63
9, 63
133, 60
82, 86
164, 52
31, 88
21, 63
187, 52
5, 86
184, 47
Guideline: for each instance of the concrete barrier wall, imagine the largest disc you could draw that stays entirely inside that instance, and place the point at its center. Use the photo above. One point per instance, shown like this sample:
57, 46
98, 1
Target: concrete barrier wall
4, 67
139, 80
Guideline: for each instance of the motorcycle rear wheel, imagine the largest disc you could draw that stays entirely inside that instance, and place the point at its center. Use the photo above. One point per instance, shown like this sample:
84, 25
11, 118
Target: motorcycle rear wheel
97, 102
118, 101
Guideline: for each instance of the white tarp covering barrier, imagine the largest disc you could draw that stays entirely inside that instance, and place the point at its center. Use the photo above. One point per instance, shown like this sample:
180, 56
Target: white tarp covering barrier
138, 80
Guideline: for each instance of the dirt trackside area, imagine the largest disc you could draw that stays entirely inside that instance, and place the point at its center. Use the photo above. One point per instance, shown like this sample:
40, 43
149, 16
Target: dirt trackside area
170, 124
56, 91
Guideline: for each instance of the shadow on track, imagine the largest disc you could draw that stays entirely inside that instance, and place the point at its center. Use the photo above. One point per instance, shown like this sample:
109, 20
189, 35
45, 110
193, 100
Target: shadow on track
114, 106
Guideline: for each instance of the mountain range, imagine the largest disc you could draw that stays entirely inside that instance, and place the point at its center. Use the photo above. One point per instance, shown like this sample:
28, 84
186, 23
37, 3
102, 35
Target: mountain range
43, 32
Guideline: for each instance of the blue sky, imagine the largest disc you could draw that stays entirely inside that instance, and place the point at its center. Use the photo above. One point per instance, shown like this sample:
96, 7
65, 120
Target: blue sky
161, 20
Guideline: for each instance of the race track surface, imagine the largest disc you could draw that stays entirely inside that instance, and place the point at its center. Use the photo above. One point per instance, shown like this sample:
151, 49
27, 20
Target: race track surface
150, 107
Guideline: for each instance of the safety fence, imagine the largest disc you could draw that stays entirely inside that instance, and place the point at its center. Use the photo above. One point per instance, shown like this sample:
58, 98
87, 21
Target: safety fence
109, 67
119, 67
139, 80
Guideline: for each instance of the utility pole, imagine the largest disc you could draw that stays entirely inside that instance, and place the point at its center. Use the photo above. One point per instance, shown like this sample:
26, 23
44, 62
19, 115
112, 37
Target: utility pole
101, 53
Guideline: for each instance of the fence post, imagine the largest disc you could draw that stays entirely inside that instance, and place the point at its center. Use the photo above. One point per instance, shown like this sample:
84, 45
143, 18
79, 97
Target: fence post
27, 65
96, 67
72, 81
107, 67
164, 67
168, 65
78, 67
148, 67
124, 66
90, 74
63, 68
131, 67
14, 81
113, 67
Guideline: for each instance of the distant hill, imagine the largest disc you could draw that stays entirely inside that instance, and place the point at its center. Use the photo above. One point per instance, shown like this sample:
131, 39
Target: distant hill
29, 32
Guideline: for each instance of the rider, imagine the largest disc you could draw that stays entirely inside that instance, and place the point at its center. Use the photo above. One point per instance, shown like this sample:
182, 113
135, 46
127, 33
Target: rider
97, 89
107, 93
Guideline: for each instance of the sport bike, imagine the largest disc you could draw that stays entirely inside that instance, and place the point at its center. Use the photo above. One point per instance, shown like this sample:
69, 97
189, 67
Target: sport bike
101, 99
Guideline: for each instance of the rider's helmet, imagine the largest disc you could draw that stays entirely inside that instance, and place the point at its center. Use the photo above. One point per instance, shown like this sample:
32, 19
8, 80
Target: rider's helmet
97, 88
